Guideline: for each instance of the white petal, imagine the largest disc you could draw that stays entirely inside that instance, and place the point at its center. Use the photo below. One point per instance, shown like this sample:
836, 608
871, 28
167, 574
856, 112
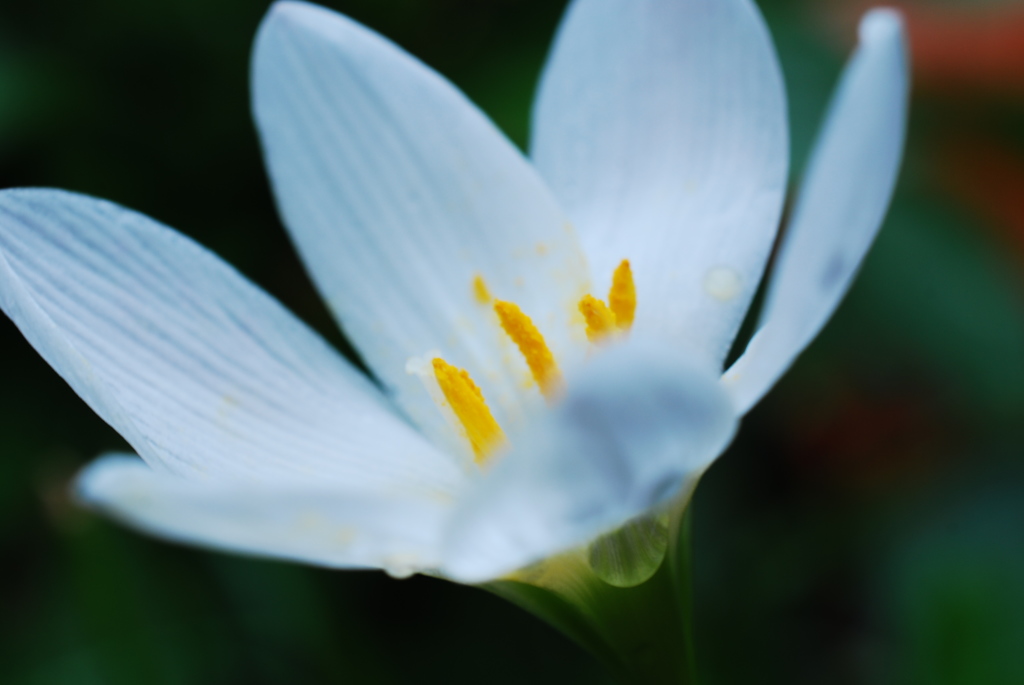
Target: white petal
311, 523
638, 426
197, 368
398, 193
661, 127
844, 199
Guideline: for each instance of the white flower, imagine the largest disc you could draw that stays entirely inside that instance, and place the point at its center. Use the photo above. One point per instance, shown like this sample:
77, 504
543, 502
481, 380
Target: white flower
660, 138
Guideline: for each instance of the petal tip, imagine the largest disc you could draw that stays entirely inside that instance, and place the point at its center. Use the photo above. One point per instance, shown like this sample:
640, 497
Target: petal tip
304, 16
95, 482
881, 23
294, 10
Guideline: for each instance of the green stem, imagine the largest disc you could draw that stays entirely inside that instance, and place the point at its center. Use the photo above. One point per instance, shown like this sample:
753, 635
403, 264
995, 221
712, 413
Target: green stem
643, 634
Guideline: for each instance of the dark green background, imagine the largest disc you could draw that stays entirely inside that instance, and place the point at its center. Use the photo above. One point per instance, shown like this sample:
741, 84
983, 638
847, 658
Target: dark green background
867, 526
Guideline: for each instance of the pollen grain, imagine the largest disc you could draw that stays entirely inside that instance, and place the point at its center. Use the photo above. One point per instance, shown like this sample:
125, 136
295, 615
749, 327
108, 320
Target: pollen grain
467, 402
481, 292
531, 344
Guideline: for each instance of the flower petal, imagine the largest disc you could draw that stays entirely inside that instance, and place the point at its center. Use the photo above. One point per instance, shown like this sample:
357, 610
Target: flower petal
844, 199
661, 127
306, 522
203, 373
636, 428
399, 193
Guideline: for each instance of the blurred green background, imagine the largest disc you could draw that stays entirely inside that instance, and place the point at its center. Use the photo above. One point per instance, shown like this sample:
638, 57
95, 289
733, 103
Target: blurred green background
866, 527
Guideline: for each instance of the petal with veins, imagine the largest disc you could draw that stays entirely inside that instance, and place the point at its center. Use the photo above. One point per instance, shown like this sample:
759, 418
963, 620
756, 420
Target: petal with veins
203, 373
635, 428
844, 199
402, 198
315, 523
661, 127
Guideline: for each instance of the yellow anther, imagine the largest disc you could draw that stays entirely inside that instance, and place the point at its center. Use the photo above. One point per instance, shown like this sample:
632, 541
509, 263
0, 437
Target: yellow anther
600, 319
532, 346
466, 400
480, 291
622, 296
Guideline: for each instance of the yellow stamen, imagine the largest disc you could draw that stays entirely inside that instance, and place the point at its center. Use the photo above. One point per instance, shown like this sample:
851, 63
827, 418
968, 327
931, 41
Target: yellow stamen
600, 320
480, 291
622, 296
532, 346
466, 400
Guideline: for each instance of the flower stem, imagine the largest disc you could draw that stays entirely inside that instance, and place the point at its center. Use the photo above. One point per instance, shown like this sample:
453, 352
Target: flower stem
643, 634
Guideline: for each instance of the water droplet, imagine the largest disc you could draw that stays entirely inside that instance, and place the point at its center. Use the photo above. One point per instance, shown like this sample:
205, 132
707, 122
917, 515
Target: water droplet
723, 283
400, 567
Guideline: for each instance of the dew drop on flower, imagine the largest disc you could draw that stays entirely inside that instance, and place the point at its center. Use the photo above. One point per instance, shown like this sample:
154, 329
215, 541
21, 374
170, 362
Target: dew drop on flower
723, 283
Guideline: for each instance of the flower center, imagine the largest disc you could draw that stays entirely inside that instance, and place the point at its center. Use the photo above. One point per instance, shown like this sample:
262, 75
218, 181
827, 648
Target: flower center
603, 321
